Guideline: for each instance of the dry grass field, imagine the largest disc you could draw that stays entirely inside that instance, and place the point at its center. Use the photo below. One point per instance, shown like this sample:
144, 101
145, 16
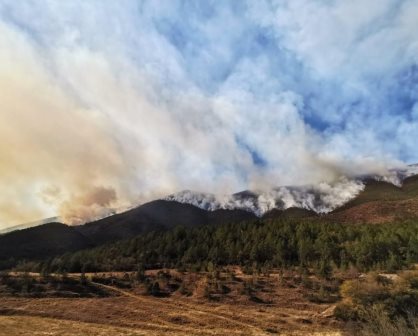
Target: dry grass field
131, 312
36, 326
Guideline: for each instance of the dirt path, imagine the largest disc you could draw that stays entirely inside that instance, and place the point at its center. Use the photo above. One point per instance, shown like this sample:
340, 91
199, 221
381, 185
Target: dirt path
175, 315
192, 309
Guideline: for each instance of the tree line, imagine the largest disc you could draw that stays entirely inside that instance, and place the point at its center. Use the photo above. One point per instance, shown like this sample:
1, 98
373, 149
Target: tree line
283, 243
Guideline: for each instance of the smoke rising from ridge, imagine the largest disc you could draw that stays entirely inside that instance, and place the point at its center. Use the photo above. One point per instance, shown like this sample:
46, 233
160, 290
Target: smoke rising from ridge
321, 198
107, 104
93, 205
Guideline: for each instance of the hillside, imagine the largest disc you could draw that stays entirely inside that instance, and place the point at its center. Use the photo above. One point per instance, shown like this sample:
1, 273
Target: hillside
381, 202
29, 225
52, 239
293, 212
316, 244
156, 215
40, 242
384, 191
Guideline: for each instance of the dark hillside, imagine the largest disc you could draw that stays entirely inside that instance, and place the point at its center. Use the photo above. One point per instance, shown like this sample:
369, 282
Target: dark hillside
40, 242
54, 238
410, 186
290, 213
157, 215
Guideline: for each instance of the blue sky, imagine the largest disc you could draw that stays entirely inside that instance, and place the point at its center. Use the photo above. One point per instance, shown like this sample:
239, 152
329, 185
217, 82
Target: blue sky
145, 98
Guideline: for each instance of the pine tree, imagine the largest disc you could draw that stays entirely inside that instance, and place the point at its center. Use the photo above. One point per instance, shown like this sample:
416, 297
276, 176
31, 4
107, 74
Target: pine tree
140, 273
155, 289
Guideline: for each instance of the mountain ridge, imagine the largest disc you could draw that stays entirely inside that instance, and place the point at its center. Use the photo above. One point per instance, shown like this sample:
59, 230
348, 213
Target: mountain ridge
321, 197
378, 202
51, 239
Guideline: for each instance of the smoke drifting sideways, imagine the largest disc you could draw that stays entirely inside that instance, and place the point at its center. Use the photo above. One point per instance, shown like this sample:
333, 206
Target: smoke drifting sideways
321, 198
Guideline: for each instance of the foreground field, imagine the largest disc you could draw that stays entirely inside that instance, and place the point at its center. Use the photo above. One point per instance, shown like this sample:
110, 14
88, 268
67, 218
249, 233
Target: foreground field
221, 302
138, 316
25, 325
37, 326
130, 312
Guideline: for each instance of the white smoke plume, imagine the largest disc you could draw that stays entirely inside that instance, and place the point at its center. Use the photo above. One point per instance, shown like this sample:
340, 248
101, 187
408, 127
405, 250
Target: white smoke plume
321, 198
105, 104
396, 176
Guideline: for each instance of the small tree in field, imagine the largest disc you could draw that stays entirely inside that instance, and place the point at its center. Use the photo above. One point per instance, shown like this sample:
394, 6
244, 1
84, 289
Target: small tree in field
155, 289
140, 273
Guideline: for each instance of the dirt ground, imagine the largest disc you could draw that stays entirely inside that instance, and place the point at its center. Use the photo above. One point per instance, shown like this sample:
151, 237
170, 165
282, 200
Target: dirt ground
128, 312
36, 326
127, 315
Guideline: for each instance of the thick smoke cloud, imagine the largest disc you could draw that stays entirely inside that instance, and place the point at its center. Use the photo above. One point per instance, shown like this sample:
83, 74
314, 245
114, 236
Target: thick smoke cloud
92, 205
106, 104
321, 198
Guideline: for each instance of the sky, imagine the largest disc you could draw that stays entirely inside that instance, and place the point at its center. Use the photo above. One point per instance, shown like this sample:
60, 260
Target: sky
104, 104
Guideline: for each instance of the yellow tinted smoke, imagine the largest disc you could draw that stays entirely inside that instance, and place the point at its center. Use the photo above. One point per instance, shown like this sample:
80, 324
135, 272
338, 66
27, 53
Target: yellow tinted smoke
52, 149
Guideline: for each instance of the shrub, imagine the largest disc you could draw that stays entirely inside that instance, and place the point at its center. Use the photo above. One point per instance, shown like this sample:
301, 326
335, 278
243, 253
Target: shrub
378, 323
396, 299
154, 289
346, 312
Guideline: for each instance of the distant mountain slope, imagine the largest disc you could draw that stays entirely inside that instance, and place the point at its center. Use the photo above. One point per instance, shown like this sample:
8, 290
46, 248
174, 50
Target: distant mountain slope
156, 215
381, 202
377, 212
379, 190
29, 225
41, 241
54, 238
290, 213
410, 186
